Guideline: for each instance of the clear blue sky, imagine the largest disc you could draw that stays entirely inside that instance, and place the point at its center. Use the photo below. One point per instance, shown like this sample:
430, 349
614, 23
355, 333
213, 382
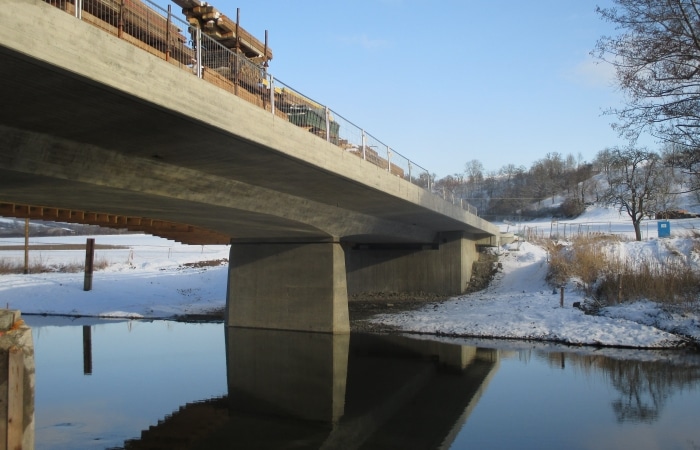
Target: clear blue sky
448, 81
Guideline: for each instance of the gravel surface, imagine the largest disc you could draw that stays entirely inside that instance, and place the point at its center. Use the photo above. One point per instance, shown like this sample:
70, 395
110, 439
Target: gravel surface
365, 306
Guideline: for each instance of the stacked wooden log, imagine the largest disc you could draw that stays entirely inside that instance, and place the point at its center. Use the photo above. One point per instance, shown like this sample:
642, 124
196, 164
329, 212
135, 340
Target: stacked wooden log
221, 28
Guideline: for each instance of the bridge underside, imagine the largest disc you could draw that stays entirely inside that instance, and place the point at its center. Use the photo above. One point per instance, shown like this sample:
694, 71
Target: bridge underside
93, 129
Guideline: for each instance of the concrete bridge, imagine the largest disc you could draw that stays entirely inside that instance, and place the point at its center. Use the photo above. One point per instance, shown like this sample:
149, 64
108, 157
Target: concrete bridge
93, 129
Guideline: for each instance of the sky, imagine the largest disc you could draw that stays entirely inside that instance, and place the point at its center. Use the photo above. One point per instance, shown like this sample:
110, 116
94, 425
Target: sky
449, 81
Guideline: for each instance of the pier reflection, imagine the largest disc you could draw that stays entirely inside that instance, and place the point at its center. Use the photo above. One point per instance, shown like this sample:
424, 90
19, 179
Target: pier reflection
320, 391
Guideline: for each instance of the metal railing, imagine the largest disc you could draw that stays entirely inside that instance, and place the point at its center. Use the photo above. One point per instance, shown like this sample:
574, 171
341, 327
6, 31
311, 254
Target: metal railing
155, 29
624, 229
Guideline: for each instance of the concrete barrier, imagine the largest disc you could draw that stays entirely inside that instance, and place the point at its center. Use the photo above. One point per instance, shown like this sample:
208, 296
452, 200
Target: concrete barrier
16, 382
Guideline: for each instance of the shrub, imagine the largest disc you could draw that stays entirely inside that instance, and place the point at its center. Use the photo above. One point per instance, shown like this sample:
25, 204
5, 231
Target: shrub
664, 282
609, 278
572, 207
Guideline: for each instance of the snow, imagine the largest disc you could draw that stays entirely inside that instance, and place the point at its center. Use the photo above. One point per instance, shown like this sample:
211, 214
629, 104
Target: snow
145, 279
518, 304
149, 278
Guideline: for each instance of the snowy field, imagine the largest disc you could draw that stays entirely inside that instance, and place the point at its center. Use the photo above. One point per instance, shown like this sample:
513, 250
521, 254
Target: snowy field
156, 278
148, 278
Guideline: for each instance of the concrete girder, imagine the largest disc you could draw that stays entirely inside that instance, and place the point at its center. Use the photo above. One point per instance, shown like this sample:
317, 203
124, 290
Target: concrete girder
147, 185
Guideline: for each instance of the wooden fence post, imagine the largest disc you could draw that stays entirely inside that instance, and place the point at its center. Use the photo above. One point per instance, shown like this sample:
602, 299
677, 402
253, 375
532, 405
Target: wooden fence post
26, 245
561, 297
89, 263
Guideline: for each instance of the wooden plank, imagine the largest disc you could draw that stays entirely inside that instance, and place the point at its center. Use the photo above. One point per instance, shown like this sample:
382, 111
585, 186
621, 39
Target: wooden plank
15, 398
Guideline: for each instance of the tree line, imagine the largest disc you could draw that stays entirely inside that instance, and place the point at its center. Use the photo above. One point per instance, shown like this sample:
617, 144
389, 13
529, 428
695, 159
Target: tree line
641, 183
517, 191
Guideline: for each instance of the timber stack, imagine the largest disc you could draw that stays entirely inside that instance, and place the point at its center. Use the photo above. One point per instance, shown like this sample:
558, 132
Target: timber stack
224, 30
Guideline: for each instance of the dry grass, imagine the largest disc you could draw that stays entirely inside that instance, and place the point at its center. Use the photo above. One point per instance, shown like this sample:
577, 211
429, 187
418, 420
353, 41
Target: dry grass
666, 282
581, 259
611, 279
8, 266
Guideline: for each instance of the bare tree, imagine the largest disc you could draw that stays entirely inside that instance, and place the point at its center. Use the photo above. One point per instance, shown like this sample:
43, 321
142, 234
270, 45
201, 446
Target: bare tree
635, 181
657, 62
687, 160
474, 170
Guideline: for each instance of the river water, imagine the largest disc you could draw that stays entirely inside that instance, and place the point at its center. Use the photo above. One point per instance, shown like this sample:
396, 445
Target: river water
161, 384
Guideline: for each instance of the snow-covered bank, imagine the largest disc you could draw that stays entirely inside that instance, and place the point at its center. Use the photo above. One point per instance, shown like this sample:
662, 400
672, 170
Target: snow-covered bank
520, 305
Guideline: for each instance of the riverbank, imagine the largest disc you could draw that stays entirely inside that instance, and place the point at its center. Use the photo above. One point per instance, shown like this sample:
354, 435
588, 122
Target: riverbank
152, 278
519, 304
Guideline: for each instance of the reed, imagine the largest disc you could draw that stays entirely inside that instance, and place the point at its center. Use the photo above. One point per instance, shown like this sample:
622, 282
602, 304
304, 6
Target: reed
609, 278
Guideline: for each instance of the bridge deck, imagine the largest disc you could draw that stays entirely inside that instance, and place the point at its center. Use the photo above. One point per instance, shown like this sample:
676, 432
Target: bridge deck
91, 124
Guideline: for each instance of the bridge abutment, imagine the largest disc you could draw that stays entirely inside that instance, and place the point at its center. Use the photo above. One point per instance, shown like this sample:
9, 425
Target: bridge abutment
288, 286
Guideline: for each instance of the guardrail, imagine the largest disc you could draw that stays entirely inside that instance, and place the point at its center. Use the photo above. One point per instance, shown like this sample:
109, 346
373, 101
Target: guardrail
155, 30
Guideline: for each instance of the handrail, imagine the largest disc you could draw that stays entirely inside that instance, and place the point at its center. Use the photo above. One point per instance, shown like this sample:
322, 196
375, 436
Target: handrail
155, 29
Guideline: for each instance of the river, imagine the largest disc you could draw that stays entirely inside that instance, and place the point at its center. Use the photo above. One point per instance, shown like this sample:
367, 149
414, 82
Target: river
163, 384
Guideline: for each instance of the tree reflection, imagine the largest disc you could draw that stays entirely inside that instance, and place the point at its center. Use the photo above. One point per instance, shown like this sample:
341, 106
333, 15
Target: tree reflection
643, 386
642, 389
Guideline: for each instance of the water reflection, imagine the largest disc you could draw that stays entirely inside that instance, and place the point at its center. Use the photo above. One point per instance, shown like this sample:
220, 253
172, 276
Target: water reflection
138, 385
87, 350
317, 391
643, 386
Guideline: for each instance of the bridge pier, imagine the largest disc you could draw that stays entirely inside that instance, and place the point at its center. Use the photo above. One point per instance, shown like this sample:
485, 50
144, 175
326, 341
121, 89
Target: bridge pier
442, 268
305, 286
288, 286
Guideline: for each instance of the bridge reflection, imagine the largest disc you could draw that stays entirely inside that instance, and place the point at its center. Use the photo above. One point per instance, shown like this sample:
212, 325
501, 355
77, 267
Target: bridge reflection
312, 390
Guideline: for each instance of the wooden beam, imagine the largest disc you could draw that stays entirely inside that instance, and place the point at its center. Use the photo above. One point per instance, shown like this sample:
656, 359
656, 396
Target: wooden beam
181, 232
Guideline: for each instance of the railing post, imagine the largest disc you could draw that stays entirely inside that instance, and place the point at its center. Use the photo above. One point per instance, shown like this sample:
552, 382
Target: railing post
328, 125
79, 9
120, 21
388, 159
364, 145
410, 180
198, 51
272, 94
167, 33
